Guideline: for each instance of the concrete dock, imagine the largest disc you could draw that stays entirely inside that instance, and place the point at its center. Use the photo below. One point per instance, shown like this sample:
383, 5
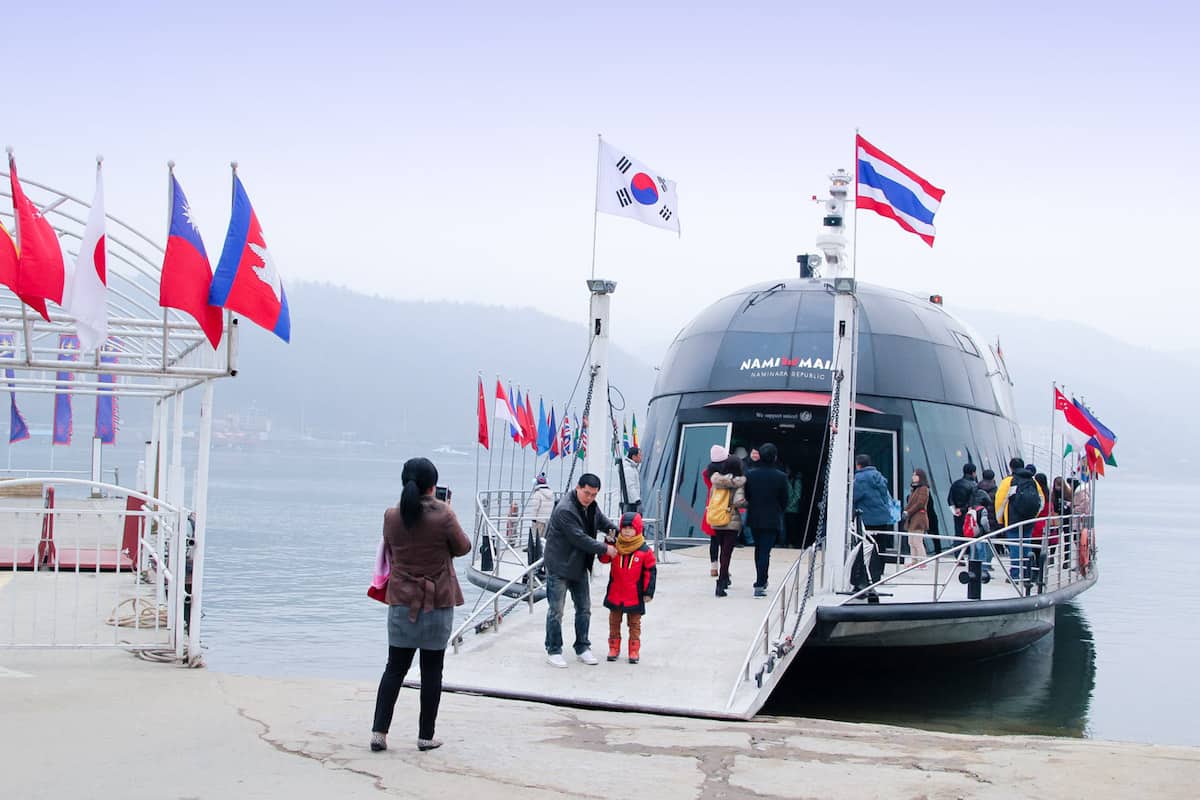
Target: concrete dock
105, 724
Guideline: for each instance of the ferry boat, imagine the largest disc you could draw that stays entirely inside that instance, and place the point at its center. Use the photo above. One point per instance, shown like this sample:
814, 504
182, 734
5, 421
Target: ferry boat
825, 368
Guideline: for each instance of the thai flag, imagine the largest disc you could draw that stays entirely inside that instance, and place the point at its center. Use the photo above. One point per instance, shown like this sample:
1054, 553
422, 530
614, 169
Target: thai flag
892, 190
247, 280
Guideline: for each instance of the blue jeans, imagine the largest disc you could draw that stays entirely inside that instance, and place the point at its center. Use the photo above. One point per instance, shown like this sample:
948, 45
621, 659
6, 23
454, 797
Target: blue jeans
981, 551
556, 600
1020, 557
762, 555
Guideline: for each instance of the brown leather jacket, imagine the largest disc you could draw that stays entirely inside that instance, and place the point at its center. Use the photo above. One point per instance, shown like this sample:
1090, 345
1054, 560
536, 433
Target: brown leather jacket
422, 576
915, 513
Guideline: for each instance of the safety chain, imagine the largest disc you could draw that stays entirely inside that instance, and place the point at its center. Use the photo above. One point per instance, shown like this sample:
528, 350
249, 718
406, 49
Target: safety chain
785, 645
587, 410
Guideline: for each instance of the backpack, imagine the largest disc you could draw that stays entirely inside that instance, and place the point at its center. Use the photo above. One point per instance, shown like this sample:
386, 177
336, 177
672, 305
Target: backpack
719, 510
1024, 502
975, 522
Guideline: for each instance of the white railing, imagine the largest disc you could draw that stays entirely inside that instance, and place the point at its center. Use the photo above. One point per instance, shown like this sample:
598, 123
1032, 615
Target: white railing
82, 572
1058, 546
529, 582
774, 637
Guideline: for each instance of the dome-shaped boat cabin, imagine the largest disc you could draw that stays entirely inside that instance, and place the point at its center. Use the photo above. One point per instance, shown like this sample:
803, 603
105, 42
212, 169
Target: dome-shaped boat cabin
755, 367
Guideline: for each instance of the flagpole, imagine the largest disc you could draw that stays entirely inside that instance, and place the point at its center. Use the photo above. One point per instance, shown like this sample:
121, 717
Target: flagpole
854, 239
492, 438
26, 323
1053, 414
595, 204
170, 209
478, 444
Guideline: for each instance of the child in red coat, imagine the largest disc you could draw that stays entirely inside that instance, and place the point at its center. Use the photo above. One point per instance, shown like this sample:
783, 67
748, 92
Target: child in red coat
630, 586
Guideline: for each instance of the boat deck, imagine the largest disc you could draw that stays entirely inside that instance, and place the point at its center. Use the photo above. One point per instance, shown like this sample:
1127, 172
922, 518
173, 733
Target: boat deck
693, 646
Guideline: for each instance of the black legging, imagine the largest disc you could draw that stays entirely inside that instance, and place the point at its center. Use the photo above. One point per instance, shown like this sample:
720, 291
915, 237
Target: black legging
399, 660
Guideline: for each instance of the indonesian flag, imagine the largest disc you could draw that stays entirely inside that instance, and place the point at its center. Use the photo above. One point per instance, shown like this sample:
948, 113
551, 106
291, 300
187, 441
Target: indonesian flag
481, 411
86, 293
1076, 427
504, 408
628, 188
40, 271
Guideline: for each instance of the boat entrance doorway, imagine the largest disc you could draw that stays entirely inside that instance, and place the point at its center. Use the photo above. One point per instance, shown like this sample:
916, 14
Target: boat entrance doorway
798, 432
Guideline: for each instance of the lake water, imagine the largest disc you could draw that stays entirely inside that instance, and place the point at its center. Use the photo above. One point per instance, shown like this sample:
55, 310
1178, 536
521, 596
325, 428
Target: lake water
293, 533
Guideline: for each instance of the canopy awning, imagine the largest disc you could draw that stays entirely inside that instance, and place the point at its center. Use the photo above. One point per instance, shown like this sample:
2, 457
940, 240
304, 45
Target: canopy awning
783, 399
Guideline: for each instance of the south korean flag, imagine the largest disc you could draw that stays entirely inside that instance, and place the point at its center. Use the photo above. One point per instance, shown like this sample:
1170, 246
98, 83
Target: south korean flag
628, 188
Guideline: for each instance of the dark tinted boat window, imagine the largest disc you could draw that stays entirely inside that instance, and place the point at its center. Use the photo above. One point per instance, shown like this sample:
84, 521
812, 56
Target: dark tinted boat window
715, 318
894, 319
771, 312
954, 376
948, 438
906, 368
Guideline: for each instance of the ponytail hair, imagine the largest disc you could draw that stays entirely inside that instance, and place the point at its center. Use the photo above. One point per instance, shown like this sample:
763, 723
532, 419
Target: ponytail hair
419, 476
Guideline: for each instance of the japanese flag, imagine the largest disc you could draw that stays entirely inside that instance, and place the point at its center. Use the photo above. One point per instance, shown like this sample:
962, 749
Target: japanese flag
628, 188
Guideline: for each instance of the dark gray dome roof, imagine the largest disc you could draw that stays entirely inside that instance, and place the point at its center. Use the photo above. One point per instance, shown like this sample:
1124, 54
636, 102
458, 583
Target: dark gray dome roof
779, 335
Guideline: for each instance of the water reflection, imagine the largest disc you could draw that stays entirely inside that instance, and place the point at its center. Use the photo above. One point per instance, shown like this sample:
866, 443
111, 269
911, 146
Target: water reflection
1044, 689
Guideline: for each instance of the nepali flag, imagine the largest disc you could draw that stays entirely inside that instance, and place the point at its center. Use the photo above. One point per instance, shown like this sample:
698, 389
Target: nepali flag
41, 273
68, 345
186, 274
892, 190
246, 280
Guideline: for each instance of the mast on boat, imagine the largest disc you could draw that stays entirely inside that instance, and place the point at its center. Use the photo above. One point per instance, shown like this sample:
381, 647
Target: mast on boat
598, 458
832, 244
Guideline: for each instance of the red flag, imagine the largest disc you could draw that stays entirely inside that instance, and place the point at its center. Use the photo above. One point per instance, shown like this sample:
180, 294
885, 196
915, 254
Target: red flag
481, 411
40, 270
529, 426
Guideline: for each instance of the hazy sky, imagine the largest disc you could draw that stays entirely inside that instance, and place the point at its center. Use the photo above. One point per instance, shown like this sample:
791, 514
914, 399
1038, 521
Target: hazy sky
448, 150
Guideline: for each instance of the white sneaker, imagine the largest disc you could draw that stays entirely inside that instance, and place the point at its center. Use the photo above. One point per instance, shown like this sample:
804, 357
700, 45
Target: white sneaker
556, 660
587, 658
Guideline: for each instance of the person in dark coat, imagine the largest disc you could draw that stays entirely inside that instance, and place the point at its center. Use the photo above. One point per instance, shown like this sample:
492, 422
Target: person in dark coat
766, 500
571, 547
961, 493
422, 538
872, 501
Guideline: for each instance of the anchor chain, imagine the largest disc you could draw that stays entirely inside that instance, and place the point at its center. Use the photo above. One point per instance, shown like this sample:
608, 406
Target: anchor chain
583, 422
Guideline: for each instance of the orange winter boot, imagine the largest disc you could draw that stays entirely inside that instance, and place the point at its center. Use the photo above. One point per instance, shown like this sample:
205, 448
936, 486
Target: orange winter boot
614, 648
635, 650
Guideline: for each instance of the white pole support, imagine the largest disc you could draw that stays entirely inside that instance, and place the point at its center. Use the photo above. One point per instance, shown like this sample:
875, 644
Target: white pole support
598, 458
201, 503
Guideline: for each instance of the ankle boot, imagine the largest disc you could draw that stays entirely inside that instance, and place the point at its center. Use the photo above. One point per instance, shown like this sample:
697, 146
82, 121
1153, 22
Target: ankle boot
614, 648
635, 650
721, 588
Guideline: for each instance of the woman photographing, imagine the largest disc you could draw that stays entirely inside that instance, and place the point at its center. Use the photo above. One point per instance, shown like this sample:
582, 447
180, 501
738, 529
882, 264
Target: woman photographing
422, 537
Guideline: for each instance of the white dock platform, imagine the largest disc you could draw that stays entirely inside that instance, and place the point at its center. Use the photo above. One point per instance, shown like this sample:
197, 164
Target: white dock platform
693, 646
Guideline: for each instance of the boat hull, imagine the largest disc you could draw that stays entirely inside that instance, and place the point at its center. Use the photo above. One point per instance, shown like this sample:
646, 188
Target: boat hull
975, 628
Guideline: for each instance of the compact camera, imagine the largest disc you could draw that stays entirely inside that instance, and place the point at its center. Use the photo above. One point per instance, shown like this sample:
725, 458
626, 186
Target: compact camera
443, 493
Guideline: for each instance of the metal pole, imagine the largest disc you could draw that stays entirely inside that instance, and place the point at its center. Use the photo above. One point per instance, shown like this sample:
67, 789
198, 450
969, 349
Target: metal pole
595, 204
597, 456
201, 504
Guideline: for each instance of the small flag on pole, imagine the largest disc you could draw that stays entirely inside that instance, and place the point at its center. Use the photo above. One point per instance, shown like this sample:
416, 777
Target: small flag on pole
68, 345
86, 293
504, 408
18, 431
566, 441
529, 435
186, 274
106, 403
628, 188
633, 431
40, 273
513, 430
543, 433
552, 432
481, 412
892, 190
624, 436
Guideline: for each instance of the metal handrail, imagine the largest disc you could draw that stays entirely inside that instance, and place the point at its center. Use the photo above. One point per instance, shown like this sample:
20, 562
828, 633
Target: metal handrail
790, 583
456, 636
967, 543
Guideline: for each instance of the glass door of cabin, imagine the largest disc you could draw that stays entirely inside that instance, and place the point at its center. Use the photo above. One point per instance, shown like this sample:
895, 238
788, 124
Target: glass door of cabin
689, 495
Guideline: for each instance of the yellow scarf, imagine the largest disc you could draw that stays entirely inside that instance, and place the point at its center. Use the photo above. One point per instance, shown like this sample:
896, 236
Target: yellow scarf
627, 546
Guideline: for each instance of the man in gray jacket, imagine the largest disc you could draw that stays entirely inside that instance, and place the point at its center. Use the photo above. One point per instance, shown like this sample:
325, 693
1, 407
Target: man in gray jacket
571, 547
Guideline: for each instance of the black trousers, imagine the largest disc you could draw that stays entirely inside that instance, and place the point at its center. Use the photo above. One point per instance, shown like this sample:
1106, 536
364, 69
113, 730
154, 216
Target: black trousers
399, 660
764, 540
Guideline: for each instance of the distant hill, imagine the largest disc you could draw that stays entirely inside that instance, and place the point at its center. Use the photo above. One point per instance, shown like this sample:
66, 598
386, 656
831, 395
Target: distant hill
362, 367
366, 367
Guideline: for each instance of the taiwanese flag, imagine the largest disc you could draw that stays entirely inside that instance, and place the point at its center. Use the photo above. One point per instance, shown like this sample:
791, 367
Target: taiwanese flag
40, 274
246, 280
186, 274
481, 412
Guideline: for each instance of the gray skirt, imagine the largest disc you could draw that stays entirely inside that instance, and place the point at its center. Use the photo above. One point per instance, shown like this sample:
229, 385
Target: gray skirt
431, 631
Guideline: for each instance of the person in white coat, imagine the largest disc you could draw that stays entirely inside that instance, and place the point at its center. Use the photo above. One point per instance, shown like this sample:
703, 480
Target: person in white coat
630, 465
537, 511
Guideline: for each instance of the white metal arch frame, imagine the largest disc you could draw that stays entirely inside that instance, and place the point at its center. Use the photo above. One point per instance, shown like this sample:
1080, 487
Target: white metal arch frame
161, 355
